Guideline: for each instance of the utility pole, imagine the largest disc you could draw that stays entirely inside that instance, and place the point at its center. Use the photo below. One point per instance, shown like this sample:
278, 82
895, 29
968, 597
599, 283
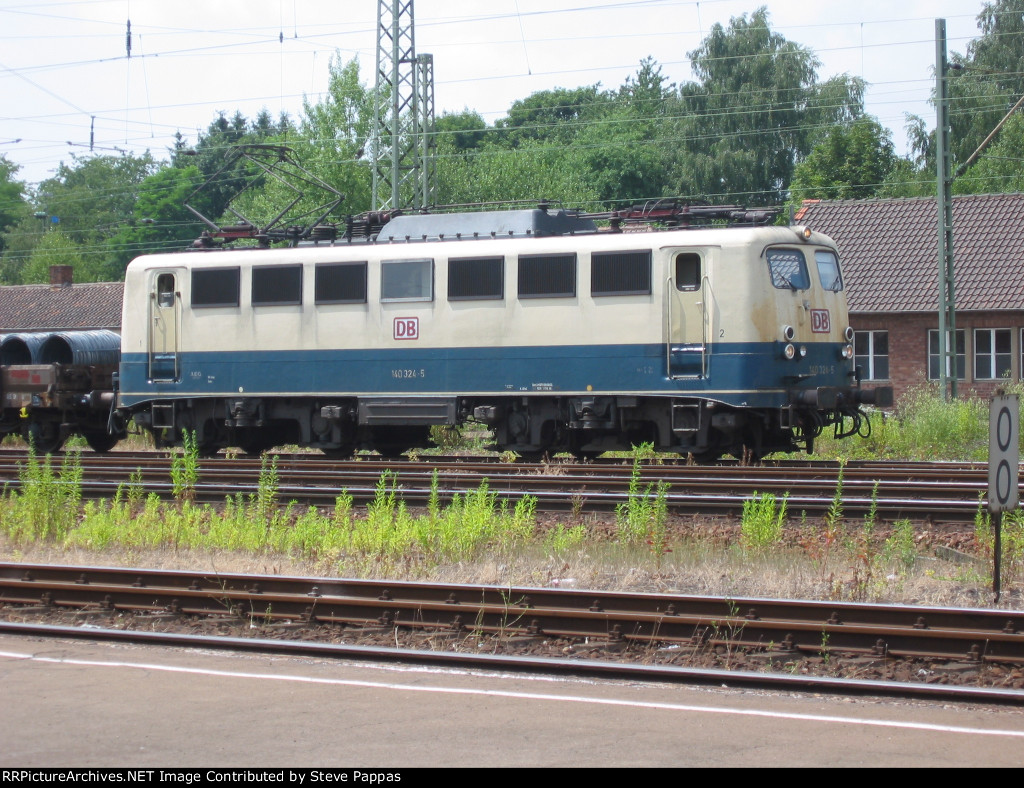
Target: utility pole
403, 117
947, 294
427, 146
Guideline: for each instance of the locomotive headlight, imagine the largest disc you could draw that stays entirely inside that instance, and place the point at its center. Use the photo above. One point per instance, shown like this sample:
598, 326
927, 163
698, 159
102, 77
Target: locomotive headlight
789, 352
803, 351
847, 352
788, 332
849, 334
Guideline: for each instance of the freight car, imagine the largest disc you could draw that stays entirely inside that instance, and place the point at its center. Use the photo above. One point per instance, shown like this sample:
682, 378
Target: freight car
55, 384
558, 335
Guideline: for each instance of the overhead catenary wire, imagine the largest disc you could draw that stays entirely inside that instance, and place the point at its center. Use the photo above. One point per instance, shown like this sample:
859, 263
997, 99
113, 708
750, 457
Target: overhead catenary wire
441, 21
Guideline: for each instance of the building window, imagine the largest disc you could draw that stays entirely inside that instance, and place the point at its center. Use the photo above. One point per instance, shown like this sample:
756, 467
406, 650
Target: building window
407, 280
992, 353
933, 355
871, 354
476, 278
788, 269
828, 270
215, 287
274, 285
620, 273
340, 283
547, 276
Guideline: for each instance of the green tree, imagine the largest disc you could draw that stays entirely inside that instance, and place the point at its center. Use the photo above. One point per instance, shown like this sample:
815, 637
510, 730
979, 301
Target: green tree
161, 223
13, 205
334, 136
984, 84
93, 195
550, 116
529, 173
224, 174
627, 151
849, 162
998, 169
57, 248
465, 130
753, 112
330, 143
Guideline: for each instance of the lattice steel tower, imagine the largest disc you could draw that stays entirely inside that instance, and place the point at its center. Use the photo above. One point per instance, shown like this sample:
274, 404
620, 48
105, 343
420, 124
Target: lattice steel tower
403, 117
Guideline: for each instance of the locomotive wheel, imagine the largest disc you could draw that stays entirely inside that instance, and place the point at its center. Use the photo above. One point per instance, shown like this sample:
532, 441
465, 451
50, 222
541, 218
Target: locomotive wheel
99, 441
46, 437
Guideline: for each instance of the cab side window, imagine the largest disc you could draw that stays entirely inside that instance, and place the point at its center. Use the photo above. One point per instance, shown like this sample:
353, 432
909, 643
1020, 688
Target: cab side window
688, 271
165, 290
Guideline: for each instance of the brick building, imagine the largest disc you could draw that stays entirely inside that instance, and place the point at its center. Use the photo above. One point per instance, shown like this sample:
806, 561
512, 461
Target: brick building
889, 253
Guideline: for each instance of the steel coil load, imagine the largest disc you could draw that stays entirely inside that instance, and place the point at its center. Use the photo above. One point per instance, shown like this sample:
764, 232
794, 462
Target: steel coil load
87, 348
24, 348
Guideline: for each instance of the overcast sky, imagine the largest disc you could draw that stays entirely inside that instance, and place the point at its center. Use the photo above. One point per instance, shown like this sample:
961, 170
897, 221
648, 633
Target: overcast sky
64, 63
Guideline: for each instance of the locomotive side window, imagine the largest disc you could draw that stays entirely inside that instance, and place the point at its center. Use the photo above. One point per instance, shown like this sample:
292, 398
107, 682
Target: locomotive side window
215, 287
407, 280
276, 285
340, 283
688, 274
788, 269
547, 276
165, 290
476, 278
828, 270
620, 273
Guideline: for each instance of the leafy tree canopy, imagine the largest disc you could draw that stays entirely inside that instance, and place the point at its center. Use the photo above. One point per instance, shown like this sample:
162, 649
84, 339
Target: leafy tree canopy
848, 162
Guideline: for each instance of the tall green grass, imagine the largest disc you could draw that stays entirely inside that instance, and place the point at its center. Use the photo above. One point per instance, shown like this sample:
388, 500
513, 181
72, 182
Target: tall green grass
923, 427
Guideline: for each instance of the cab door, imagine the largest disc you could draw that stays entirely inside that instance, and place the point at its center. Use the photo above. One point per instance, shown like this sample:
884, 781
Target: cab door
689, 333
164, 325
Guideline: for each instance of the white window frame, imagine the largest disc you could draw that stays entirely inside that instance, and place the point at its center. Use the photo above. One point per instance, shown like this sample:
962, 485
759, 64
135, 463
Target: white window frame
871, 355
992, 356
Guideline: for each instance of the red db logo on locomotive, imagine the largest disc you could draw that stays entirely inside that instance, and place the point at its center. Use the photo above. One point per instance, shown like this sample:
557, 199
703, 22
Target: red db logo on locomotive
407, 328
820, 323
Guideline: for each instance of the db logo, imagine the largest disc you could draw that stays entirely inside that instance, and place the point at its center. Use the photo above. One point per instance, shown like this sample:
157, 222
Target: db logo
820, 324
409, 327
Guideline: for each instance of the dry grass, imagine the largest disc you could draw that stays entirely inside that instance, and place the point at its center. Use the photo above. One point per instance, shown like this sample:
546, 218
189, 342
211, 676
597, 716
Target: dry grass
709, 564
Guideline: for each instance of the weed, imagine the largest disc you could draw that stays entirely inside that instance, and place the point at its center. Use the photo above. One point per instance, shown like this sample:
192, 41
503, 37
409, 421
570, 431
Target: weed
643, 517
762, 521
834, 515
185, 469
48, 504
900, 545
561, 540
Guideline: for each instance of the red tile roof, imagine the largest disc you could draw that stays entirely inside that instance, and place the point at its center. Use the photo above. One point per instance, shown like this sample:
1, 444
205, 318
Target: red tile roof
889, 251
50, 308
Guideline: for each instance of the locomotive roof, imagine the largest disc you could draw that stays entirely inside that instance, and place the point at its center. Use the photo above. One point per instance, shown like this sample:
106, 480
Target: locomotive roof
537, 222
498, 245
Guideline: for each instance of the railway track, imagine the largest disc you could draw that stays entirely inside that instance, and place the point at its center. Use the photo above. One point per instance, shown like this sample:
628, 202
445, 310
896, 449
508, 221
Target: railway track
936, 492
907, 651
